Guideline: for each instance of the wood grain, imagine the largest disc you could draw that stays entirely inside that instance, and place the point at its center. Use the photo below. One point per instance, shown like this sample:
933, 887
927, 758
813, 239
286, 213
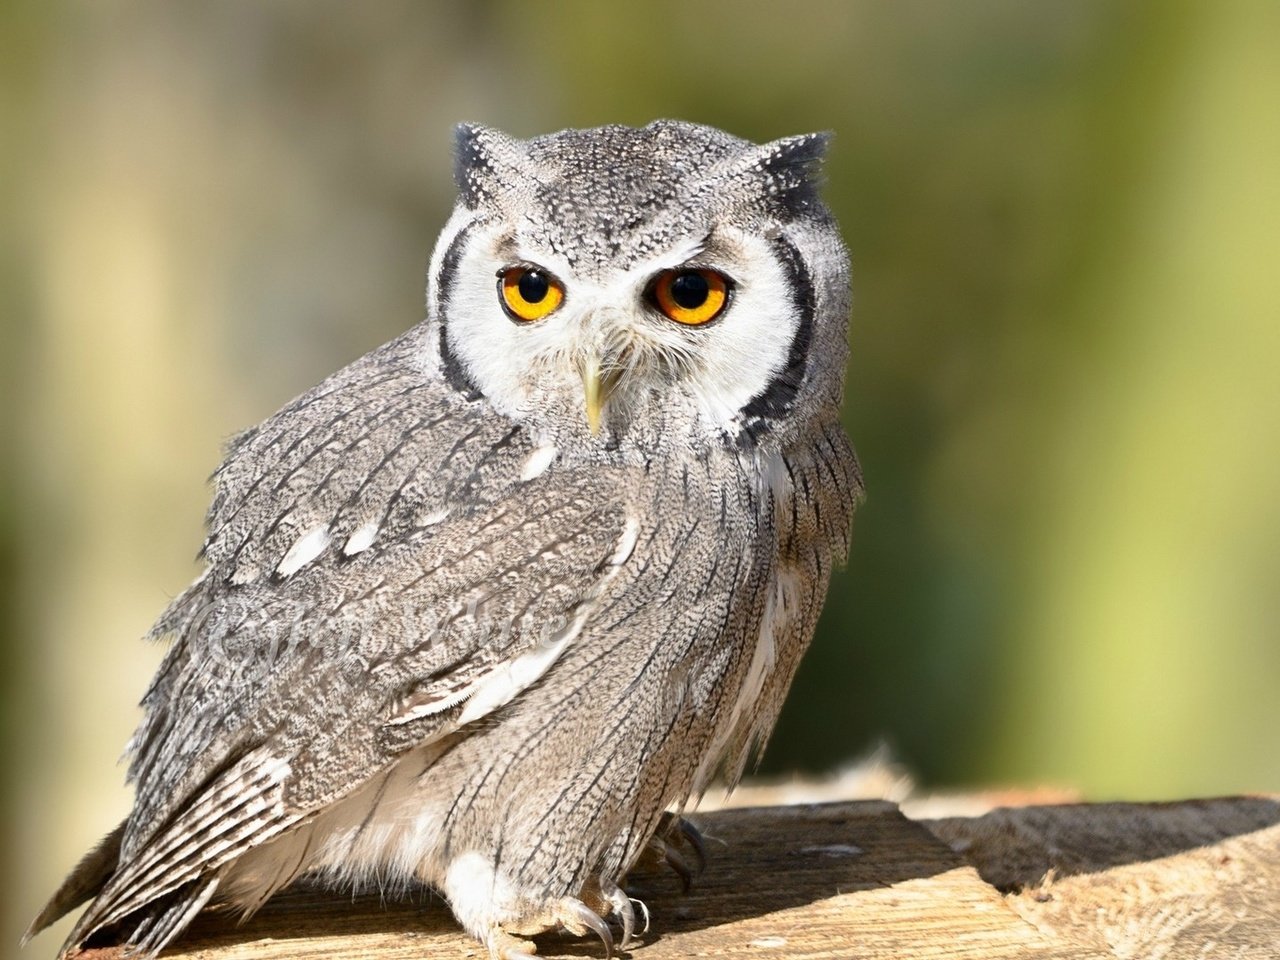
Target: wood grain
1191, 879
843, 880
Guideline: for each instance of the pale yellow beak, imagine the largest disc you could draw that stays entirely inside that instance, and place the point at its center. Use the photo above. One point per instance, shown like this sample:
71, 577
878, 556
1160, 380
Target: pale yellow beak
596, 387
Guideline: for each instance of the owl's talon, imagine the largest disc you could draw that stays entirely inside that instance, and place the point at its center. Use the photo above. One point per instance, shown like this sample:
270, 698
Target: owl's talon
621, 905
660, 851
583, 918
643, 909
669, 827
680, 865
693, 837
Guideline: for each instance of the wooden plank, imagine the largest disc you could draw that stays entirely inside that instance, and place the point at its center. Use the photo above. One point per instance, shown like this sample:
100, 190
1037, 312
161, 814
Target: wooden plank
848, 880
1194, 879
825, 881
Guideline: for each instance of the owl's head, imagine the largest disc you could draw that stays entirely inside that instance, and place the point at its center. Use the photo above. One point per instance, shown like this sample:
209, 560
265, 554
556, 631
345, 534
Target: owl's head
620, 285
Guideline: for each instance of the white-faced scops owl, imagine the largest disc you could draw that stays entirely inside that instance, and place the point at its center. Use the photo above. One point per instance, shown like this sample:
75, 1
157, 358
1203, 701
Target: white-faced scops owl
486, 609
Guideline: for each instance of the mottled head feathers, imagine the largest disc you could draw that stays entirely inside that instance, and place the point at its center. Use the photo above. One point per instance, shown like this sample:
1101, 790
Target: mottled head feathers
611, 169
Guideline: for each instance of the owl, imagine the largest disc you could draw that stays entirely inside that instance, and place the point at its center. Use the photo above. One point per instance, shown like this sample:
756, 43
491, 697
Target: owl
488, 608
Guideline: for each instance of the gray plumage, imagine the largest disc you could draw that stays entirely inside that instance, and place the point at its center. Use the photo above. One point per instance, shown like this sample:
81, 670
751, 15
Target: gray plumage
448, 632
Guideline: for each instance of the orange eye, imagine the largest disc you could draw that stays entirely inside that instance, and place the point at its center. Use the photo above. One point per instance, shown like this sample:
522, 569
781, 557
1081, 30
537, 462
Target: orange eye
691, 297
528, 293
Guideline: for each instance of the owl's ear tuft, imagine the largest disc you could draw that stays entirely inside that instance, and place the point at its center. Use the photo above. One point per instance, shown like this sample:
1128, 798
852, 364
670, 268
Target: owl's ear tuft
786, 171
484, 162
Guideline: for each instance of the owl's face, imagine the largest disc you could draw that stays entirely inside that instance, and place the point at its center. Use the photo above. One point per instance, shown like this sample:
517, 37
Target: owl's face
605, 284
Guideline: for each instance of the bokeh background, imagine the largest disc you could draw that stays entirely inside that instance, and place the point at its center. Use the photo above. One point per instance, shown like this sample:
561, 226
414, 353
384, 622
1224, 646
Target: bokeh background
1064, 386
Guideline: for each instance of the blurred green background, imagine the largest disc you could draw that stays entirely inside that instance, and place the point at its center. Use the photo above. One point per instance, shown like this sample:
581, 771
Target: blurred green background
1064, 387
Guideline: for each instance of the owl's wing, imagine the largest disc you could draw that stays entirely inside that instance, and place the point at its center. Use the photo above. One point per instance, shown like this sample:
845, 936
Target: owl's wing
388, 562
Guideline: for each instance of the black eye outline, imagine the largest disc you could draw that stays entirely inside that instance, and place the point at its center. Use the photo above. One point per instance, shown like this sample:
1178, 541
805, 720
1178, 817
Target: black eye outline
512, 300
722, 285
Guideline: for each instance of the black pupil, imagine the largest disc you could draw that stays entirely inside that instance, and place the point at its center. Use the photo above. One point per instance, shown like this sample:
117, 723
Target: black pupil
690, 290
534, 286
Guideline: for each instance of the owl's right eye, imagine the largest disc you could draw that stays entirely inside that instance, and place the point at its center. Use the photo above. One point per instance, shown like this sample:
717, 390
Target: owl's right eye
528, 294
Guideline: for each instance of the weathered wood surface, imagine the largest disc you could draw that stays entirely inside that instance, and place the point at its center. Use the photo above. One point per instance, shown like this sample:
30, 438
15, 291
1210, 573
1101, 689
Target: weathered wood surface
859, 880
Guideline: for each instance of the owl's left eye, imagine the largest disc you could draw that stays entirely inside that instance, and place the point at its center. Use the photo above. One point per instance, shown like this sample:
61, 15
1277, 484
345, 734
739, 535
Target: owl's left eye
528, 294
691, 297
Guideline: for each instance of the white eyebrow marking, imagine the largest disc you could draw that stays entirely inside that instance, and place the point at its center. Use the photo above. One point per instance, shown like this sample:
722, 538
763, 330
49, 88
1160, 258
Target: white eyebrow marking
307, 547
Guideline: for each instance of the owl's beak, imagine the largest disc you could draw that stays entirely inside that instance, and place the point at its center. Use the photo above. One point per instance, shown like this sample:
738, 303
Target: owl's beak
596, 388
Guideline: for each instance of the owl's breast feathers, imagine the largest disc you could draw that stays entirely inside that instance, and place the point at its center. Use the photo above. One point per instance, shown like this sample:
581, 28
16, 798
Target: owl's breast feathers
390, 563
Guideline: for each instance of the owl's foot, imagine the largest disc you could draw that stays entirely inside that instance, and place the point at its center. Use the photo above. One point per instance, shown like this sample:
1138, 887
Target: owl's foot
672, 833
567, 913
496, 912
506, 946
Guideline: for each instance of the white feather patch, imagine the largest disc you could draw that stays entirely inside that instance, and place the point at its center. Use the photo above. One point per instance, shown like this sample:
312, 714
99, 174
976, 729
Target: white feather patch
537, 462
426, 708
501, 685
307, 547
243, 574
626, 542
774, 478
361, 539
432, 517
478, 892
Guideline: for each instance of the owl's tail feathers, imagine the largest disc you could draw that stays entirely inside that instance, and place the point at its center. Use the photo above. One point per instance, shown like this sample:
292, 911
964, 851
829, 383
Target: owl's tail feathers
162, 885
160, 920
83, 883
